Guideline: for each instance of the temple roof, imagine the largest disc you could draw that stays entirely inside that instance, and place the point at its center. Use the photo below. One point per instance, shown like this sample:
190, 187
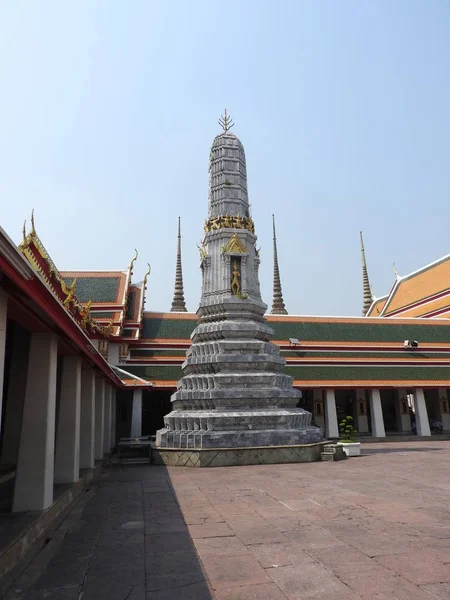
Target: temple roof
333, 351
425, 293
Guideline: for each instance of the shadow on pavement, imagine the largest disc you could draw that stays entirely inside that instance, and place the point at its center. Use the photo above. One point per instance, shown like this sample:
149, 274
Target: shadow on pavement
125, 540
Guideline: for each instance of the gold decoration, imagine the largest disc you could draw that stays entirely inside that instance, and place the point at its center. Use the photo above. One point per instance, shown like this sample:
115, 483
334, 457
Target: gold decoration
147, 274
70, 291
234, 244
86, 314
226, 122
133, 260
235, 284
103, 348
227, 222
123, 351
202, 250
33, 231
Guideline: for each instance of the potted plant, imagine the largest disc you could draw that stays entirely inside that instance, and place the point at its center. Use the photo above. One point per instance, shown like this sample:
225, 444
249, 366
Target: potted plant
348, 432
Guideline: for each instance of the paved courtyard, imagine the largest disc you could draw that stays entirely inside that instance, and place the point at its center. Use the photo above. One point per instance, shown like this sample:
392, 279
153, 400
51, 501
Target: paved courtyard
374, 528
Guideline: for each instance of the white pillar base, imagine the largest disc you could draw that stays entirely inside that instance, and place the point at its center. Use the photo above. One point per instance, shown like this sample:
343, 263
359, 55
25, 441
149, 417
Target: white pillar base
376, 414
87, 420
67, 450
35, 465
332, 428
107, 418
99, 417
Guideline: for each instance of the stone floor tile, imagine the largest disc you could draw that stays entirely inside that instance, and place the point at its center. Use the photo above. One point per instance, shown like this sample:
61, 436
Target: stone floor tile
231, 571
417, 567
280, 554
66, 593
64, 574
310, 582
111, 556
438, 591
261, 591
192, 591
219, 546
310, 536
172, 570
209, 530
168, 542
166, 525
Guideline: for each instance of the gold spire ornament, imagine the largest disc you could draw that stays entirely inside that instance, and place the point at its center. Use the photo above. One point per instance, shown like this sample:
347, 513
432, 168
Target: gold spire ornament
133, 260
226, 122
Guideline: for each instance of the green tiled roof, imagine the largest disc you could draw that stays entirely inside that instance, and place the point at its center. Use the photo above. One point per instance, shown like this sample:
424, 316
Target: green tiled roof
147, 353
97, 289
364, 330
105, 314
168, 373
360, 332
155, 327
340, 372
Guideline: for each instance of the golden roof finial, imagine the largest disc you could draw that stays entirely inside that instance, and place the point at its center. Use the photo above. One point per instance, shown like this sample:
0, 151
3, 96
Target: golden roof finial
226, 122
24, 231
147, 274
133, 260
33, 231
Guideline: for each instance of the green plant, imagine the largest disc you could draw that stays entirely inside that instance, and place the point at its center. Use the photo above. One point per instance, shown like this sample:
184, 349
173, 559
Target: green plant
347, 430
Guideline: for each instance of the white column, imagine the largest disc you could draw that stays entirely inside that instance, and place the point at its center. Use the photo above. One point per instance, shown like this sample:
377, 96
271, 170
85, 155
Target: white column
35, 463
87, 420
402, 416
376, 414
136, 414
113, 417
319, 416
331, 415
107, 416
362, 423
422, 423
445, 409
99, 417
67, 450
3, 314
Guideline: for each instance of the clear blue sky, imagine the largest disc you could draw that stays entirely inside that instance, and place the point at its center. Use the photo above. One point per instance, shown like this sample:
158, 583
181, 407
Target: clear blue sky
108, 109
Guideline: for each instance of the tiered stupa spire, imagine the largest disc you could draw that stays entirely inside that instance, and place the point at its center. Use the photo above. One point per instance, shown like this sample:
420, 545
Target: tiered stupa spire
178, 303
278, 307
367, 292
234, 392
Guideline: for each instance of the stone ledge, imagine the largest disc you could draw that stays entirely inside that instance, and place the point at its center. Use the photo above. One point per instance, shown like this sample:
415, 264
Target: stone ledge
228, 457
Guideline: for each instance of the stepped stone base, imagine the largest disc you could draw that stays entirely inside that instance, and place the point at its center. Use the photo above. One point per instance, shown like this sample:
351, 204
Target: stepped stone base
332, 452
230, 457
237, 429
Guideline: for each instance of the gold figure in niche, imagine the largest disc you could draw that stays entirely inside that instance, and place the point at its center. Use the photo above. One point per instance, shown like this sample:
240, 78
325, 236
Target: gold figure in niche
235, 280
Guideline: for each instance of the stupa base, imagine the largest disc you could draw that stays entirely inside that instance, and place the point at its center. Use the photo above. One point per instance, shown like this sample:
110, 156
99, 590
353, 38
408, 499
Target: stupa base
231, 457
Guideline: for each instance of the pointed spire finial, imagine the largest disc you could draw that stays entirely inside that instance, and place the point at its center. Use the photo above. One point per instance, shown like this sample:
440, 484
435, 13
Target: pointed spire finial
226, 122
395, 271
24, 230
147, 274
133, 260
178, 303
278, 307
367, 290
33, 230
